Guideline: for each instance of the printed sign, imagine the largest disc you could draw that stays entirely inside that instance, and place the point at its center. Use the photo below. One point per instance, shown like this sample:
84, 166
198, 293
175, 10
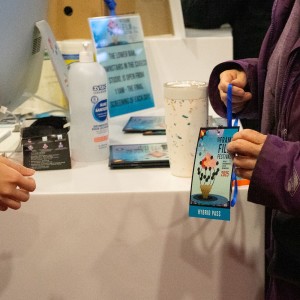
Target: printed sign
120, 50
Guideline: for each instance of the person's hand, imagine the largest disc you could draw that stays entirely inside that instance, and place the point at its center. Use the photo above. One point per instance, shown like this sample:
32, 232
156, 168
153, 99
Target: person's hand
15, 184
238, 79
244, 149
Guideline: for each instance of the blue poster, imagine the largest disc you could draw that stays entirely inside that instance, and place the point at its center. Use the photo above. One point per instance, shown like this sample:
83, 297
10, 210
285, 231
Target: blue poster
120, 50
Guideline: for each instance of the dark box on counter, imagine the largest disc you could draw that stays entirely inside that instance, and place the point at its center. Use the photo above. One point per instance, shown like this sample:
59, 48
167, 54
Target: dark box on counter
46, 147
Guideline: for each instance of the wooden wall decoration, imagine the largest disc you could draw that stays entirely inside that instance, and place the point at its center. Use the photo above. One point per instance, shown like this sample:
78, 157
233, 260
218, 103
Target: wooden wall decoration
68, 18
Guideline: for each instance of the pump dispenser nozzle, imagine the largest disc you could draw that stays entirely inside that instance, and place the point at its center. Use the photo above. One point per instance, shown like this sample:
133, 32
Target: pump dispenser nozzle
86, 55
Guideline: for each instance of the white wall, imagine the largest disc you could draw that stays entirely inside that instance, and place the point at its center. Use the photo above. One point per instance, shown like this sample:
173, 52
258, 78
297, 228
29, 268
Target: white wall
184, 58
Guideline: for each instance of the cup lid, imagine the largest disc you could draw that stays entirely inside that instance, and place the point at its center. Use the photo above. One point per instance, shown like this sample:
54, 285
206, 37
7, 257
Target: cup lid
185, 89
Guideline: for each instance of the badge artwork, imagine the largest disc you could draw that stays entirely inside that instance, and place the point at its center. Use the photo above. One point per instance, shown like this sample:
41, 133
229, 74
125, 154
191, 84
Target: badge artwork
211, 182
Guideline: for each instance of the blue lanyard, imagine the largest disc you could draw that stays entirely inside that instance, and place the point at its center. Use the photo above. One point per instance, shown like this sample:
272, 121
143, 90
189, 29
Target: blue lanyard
111, 4
229, 124
235, 190
229, 105
229, 108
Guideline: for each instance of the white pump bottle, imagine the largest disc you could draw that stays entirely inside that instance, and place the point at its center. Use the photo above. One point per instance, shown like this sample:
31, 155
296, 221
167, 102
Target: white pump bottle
88, 108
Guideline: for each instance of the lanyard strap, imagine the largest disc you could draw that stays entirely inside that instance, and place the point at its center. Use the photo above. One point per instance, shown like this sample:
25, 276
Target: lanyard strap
235, 190
229, 105
229, 108
229, 124
111, 4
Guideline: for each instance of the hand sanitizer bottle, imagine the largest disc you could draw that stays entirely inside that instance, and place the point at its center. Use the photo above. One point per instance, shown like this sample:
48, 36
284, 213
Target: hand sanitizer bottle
88, 108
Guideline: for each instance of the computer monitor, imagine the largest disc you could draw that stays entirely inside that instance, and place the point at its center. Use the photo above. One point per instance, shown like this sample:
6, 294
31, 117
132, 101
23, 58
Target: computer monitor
21, 50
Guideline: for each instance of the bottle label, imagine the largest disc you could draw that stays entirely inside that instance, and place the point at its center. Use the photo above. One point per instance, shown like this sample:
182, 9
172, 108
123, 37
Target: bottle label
100, 111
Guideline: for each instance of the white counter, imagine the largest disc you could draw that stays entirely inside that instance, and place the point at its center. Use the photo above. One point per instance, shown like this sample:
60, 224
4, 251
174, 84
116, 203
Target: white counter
95, 233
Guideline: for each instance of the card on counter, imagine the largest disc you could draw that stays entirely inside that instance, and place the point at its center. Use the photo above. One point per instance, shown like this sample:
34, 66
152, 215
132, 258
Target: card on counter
146, 124
212, 175
151, 155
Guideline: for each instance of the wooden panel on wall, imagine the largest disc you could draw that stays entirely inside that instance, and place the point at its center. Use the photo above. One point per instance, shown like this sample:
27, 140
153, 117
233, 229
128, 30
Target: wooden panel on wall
68, 18
156, 16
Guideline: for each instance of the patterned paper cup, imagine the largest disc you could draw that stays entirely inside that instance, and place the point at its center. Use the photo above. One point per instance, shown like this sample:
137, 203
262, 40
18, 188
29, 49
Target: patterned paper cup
186, 111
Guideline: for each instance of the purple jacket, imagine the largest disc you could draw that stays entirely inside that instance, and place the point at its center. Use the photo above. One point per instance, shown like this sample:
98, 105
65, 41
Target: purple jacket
275, 181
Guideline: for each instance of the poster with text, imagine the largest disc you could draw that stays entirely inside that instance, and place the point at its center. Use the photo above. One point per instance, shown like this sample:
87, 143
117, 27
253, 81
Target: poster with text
118, 41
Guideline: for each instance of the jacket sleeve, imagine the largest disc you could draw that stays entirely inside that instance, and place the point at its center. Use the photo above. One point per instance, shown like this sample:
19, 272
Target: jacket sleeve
275, 181
249, 66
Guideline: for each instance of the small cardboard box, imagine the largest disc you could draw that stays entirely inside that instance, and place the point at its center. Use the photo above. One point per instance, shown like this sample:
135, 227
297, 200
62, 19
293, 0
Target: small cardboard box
68, 18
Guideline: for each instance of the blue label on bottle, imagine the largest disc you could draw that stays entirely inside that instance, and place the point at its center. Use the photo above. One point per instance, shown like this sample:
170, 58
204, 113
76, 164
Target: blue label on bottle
100, 111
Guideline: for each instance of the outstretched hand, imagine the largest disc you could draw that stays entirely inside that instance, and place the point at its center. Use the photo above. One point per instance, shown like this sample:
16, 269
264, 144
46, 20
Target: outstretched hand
238, 79
16, 184
244, 149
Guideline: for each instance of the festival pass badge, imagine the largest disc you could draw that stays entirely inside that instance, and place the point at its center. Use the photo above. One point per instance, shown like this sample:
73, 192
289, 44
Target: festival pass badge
211, 182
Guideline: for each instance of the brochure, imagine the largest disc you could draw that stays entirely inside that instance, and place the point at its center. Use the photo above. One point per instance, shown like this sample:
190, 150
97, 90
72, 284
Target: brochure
142, 124
150, 155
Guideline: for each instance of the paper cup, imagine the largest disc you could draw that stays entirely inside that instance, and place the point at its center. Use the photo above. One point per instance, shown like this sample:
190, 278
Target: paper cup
186, 111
